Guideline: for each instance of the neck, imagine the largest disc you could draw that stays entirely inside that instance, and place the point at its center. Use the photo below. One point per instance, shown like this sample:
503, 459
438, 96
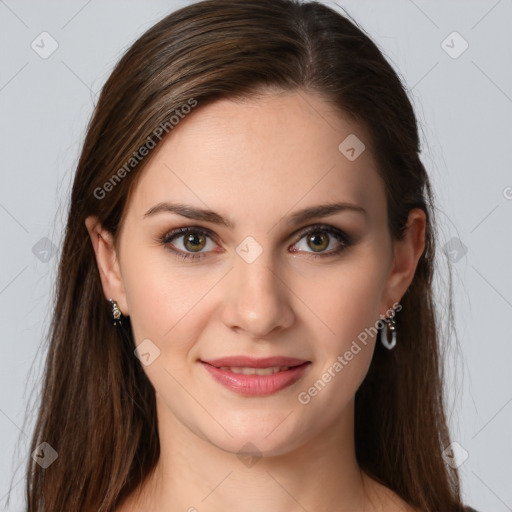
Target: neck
194, 475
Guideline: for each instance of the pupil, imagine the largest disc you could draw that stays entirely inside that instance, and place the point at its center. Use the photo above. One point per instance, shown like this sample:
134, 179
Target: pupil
195, 241
317, 241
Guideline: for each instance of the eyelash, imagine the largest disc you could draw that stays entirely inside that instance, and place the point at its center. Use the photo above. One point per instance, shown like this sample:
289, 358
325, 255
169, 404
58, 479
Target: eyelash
344, 239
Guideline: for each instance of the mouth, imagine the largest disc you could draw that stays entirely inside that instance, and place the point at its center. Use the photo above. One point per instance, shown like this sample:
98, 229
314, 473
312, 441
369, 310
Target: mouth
245, 370
256, 377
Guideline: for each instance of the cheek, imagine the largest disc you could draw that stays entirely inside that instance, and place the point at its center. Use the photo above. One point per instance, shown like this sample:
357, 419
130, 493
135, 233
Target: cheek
165, 299
346, 299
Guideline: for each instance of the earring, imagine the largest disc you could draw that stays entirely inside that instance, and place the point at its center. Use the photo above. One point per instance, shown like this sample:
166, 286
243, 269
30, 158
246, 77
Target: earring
390, 324
116, 313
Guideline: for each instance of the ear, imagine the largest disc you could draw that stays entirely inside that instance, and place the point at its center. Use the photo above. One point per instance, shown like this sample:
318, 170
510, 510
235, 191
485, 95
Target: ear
108, 262
407, 253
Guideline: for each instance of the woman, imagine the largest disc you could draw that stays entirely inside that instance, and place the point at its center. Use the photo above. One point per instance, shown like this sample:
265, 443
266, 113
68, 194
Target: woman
244, 314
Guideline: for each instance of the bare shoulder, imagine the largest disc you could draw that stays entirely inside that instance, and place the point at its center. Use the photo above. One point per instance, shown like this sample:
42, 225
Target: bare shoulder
123, 508
128, 505
140, 498
384, 499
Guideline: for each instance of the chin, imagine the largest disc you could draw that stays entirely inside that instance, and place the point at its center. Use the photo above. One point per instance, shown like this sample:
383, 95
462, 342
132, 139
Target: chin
270, 437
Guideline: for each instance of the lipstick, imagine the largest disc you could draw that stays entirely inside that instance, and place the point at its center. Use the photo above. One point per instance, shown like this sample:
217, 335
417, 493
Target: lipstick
256, 377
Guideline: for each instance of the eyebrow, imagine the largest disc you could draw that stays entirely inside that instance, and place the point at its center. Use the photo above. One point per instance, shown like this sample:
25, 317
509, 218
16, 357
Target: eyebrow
205, 215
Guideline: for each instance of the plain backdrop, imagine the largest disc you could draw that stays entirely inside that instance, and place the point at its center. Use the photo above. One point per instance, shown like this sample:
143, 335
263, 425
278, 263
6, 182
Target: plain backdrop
455, 59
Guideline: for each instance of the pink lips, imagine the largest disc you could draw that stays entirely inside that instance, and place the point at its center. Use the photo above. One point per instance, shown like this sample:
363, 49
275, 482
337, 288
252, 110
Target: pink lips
286, 371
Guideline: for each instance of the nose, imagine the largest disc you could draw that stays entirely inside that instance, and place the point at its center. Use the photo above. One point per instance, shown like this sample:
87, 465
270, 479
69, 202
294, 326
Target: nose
257, 301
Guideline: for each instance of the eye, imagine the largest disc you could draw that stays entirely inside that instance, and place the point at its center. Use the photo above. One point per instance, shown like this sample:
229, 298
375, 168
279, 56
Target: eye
317, 241
322, 241
184, 242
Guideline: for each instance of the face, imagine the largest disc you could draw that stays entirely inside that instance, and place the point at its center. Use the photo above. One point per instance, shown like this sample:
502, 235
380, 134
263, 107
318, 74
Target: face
240, 270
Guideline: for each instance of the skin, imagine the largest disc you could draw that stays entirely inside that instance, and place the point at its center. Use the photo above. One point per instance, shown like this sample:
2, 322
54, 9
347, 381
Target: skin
256, 162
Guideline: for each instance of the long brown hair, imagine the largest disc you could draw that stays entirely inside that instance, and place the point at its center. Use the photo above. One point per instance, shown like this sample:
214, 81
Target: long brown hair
97, 405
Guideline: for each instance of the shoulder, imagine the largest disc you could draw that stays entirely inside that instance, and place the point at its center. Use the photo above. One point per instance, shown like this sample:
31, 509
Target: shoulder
126, 506
383, 498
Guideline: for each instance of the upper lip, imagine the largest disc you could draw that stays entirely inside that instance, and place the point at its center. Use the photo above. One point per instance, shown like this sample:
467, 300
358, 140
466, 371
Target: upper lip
252, 362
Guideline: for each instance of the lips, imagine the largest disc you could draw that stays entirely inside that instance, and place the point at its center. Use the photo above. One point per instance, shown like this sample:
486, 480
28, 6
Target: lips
256, 377
252, 362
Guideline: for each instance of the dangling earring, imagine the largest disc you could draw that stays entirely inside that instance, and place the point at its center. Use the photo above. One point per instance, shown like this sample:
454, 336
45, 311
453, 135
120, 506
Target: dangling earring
389, 323
116, 313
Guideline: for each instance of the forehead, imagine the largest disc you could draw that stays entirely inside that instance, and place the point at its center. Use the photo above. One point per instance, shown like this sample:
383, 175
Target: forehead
260, 157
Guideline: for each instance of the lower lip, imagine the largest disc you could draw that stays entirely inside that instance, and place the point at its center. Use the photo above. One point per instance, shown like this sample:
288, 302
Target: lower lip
257, 385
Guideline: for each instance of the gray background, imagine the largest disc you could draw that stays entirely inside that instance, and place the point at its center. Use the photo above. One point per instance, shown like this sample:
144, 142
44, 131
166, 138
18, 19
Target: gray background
464, 105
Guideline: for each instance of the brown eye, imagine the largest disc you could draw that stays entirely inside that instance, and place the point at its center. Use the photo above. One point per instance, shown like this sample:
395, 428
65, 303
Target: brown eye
188, 242
318, 241
322, 241
194, 241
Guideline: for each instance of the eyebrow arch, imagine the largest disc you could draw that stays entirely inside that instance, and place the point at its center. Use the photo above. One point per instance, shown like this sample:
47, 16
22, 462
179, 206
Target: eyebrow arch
322, 210
192, 212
